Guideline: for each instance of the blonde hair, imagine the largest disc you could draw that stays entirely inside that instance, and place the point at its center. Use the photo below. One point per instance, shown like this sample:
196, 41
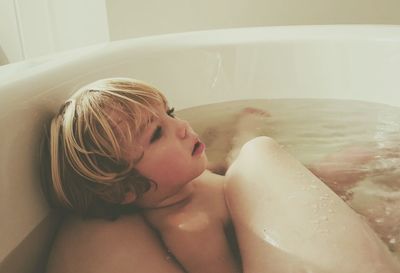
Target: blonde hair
87, 169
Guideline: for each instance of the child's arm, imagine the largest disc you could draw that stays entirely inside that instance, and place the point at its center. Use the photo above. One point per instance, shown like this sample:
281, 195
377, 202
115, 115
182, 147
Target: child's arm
203, 250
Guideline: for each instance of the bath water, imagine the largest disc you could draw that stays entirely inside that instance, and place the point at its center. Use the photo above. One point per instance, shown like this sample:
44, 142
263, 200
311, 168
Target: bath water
327, 133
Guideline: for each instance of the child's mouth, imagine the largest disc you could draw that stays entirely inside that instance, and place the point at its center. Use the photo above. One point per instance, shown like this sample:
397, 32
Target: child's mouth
198, 148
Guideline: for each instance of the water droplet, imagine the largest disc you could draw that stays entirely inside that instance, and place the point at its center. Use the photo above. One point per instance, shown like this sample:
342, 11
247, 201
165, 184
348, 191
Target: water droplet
388, 211
370, 210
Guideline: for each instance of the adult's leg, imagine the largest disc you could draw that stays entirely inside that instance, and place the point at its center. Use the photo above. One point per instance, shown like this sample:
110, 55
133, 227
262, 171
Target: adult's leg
286, 219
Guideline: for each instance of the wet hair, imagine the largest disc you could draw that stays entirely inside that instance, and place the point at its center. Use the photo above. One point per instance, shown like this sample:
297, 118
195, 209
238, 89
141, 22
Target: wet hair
84, 168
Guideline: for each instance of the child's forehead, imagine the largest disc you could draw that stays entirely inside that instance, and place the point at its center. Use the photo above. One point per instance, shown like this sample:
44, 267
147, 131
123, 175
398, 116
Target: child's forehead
143, 116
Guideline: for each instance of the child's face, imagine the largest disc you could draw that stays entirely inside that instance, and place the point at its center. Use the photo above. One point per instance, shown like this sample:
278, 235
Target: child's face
172, 156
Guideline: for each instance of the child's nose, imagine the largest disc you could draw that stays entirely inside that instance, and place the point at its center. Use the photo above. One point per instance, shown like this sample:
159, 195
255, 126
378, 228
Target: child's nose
183, 128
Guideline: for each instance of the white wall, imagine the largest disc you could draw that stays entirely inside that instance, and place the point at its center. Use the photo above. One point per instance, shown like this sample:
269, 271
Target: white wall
9, 38
31, 28
77, 23
134, 18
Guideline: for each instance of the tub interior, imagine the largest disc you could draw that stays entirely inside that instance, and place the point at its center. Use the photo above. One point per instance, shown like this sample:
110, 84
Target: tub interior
336, 62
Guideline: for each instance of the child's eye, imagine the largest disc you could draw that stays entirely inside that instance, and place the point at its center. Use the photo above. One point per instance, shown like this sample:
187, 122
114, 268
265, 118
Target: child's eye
170, 112
156, 134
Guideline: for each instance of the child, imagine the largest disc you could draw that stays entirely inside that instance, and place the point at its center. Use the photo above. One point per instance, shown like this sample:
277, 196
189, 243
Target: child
116, 145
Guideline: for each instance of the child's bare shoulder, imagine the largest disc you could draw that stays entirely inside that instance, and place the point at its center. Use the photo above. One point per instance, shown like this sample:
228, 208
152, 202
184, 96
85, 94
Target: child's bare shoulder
200, 226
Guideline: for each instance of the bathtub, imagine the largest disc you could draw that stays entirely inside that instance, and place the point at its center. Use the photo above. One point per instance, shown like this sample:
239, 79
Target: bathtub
358, 62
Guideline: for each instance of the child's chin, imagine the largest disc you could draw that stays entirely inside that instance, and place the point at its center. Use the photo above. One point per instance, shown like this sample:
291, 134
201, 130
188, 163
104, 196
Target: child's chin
203, 166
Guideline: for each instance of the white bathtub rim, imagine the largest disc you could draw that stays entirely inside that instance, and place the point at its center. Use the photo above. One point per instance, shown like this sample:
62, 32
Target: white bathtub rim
203, 38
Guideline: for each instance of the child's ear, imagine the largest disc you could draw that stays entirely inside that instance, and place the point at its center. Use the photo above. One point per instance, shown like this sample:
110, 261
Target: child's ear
129, 198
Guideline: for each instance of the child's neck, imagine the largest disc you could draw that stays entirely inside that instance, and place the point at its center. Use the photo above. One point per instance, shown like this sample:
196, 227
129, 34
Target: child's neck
179, 199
